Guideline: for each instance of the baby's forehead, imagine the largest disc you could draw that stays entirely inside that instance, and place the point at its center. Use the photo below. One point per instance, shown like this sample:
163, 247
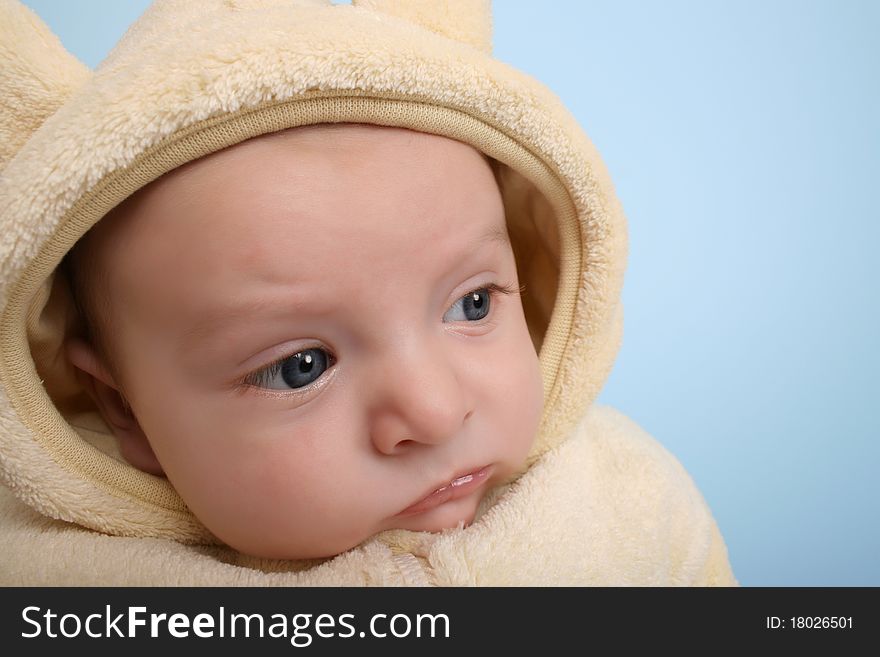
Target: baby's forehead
330, 191
329, 151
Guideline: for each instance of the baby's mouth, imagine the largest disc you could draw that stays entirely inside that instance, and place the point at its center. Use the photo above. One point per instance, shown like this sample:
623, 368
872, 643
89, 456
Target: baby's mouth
459, 487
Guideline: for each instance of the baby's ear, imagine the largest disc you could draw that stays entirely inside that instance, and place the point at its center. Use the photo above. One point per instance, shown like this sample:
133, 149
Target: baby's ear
468, 21
37, 75
94, 376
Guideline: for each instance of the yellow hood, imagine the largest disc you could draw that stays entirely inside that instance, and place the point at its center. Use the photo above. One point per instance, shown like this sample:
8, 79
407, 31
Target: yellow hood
191, 77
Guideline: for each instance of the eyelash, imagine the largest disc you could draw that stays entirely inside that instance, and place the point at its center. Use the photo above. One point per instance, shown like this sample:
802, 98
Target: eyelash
273, 368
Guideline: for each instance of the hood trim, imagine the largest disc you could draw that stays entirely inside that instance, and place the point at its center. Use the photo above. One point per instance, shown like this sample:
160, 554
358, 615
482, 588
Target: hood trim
148, 502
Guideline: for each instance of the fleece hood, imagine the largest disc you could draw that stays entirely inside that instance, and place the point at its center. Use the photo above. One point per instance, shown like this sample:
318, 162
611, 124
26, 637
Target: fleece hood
192, 77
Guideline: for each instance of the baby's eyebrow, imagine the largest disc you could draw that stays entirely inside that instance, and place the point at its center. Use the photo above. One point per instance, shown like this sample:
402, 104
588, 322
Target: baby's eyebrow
211, 321
496, 234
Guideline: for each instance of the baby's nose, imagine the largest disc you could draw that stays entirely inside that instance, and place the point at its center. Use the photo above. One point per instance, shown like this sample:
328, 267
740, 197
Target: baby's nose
421, 403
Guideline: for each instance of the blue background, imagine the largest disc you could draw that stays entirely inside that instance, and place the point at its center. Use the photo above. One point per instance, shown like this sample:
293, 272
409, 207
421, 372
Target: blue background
744, 141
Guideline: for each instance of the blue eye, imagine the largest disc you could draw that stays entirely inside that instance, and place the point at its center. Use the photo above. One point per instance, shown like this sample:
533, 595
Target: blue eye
295, 371
472, 307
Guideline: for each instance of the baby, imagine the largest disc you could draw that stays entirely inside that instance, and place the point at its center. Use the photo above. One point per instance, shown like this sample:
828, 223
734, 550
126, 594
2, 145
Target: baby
297, 293
316, 335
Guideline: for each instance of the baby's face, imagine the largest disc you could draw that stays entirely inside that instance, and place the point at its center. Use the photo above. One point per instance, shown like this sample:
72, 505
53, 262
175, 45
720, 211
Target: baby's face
309, 333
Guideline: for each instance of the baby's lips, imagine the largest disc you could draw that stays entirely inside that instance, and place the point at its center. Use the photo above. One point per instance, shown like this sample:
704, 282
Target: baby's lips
455, 489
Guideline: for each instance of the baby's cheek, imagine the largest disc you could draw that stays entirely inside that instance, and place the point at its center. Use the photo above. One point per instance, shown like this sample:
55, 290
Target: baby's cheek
520, 393
298, 496
305, 470
532, 403
277, 461
266, 487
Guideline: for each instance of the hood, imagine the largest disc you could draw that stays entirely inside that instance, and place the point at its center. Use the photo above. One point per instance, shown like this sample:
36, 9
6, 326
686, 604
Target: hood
191, 77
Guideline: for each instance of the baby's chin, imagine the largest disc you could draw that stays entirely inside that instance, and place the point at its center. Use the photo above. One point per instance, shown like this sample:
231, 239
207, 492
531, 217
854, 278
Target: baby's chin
449, 515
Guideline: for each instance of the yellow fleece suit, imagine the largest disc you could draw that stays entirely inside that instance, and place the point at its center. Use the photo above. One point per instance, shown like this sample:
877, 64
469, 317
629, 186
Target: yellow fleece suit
600, 501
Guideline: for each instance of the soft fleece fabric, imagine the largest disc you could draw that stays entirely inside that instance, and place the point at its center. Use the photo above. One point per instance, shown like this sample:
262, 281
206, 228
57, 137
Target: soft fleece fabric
599, 502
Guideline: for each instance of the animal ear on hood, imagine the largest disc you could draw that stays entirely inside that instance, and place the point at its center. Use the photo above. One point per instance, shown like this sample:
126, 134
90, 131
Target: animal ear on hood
37, 75
468, 21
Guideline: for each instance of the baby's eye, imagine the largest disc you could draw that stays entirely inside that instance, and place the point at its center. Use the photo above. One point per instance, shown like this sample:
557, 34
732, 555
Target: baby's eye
295, 371
472, 307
